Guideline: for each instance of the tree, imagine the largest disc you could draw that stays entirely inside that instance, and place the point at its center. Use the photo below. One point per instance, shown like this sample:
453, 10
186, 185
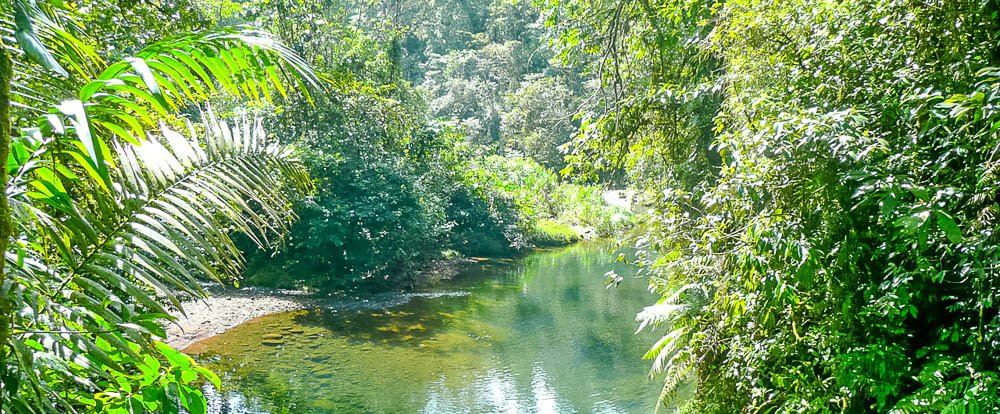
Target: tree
540, 119
821, 235
463, 86
659, 91
111, 209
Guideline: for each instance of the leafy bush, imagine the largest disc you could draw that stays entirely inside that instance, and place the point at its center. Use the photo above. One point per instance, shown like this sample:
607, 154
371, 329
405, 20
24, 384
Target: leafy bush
380, 211
537, 194
825, 238
549, 233
396, 189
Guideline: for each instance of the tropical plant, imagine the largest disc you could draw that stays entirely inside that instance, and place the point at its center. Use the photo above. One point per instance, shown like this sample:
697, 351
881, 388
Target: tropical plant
90, 273
822, 231
539, 119
109, 212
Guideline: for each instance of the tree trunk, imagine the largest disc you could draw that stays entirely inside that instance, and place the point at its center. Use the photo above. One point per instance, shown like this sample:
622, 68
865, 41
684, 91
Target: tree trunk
7, 374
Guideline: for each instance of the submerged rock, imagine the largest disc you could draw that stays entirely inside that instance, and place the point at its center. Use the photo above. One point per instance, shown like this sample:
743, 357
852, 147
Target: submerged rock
318, 358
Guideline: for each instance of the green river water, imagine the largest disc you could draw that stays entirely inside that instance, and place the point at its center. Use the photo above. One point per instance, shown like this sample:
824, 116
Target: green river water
540, 334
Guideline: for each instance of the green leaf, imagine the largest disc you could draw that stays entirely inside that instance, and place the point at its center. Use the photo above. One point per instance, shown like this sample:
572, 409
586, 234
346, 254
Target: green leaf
210, 376
192, 399
913, 222
142, 69
176, 358
28, 40
78, 117
150, 369
948, 225
91, 88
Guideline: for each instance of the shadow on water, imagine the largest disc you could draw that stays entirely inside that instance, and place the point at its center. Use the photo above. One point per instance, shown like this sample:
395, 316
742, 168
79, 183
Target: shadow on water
401, 325
540, 334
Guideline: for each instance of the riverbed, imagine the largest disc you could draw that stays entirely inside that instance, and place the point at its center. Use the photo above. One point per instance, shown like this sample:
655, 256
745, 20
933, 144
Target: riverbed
540, 334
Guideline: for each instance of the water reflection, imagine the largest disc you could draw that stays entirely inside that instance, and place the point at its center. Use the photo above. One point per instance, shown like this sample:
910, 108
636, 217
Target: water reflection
537, 335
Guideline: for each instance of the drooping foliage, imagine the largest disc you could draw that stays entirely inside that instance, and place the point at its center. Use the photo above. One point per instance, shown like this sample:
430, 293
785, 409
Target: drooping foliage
820, 173
114, 214
89, 273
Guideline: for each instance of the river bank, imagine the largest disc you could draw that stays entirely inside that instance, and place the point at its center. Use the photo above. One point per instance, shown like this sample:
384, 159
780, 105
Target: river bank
226, 308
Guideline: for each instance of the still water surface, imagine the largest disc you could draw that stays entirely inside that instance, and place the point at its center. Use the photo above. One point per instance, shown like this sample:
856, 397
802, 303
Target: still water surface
539, 334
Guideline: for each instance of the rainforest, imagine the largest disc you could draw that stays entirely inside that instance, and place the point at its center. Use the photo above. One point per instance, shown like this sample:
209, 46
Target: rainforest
482, 206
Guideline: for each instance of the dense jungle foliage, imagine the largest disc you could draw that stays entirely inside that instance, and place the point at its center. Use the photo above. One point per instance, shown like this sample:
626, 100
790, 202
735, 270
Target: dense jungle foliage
433, 139
150, 145
822, 178
110, 211
818, 179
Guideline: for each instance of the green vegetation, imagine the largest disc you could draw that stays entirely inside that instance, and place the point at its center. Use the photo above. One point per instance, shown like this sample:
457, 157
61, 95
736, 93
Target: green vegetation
406, 171
821, 175
150, 144
552, 233
110, 212
817, 179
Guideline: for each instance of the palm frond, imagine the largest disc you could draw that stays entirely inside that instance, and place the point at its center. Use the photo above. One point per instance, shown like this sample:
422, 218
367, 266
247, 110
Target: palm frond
113, 219
91, 274
50, 53
135, 95
242, 61
177, 197
680, 368
45, 31
132, 96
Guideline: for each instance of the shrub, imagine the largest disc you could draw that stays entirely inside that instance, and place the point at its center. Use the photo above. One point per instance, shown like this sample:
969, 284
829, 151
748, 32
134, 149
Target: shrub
550, 233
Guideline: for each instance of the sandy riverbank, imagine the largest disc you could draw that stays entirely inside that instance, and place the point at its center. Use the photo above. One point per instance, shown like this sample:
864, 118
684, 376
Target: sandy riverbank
228, 308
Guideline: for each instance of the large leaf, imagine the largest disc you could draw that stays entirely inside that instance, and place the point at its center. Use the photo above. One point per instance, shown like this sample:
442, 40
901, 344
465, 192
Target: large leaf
99, 271
28, 40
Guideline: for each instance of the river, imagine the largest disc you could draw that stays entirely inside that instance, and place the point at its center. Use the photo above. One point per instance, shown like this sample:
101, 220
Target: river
539, 334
